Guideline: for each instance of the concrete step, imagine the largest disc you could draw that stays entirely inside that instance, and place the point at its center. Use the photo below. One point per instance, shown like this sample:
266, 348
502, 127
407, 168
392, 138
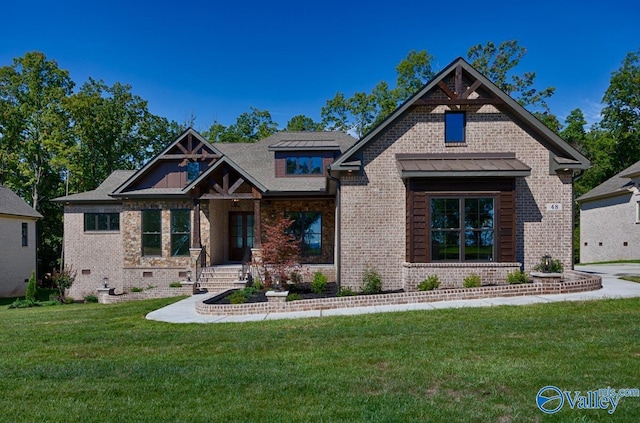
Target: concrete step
220, 278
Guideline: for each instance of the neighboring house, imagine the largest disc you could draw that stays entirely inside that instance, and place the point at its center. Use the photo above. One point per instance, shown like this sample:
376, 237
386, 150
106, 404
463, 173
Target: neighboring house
18, 241
459, 179
610, 219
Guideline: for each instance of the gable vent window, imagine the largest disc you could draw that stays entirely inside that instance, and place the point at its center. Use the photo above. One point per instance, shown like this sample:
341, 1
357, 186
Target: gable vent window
454, 127
193, 170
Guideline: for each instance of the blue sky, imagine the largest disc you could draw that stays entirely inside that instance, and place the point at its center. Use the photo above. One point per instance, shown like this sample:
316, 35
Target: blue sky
216, 59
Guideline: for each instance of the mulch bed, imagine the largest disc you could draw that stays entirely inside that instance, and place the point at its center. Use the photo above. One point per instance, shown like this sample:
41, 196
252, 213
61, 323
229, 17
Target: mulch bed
303, 290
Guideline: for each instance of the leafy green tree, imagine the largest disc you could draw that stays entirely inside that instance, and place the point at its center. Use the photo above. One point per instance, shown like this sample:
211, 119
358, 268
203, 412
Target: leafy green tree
621, 114
34, 126
32, 289
574, 131
413, 72
249, 127
335, 113
497, 64
303, 123
215, 132
113, 129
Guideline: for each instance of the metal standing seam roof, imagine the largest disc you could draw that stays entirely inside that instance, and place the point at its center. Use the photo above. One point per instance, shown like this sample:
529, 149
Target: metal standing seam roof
11, 204
616, 185
448, 165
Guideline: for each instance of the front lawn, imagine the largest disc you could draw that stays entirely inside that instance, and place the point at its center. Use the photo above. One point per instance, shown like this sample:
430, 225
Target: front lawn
106, 363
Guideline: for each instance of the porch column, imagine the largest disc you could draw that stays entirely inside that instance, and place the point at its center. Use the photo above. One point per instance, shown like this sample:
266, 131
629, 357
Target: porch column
197, 242
257, 227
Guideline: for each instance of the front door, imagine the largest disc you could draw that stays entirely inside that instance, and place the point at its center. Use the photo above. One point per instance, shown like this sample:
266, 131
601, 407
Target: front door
240, 234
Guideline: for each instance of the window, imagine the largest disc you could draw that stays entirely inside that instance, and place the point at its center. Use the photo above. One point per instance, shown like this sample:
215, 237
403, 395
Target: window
462, 229
304, 165
25, 234
151, 232
180, 232
193, 170
307, 227
454, 126
101, 222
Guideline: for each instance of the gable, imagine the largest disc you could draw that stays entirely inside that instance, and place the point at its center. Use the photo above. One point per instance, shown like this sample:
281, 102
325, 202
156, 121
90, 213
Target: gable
459, 87
184, 160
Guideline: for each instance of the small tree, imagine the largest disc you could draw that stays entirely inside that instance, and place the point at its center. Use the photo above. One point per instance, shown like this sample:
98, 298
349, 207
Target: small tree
63, 280
31, 288
280, 251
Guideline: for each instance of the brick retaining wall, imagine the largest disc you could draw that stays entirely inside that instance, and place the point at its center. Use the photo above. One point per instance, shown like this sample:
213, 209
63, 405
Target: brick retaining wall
574, 282
147, 294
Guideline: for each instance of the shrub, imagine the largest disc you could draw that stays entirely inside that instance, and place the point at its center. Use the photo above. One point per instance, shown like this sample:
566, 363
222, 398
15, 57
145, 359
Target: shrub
472, 281
516, 277
23, 303
293, 297
319, 283
555, 266
238, 297
432, 282
90, 299
295, 277
68, 300
346, 292
63, 280
31, 288
371, 281
136, 289
257, 283
175, 285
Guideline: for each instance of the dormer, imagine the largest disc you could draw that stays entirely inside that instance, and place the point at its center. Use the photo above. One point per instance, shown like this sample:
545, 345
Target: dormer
303, 158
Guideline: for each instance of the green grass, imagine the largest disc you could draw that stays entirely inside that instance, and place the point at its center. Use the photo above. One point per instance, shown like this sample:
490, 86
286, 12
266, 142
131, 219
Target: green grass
106, 363
632, 278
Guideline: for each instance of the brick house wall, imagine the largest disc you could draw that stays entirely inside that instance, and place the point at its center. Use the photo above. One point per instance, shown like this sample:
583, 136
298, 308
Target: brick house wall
92, 255
373, 205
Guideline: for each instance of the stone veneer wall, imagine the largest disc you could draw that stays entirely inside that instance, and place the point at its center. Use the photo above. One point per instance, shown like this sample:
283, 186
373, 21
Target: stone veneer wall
578, 282
373, 205
92, 255
451, 275
140, 271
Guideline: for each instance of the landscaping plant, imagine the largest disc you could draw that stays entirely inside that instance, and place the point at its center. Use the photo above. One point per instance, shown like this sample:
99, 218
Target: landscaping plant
516, 277
280, 251
371, 281
472, 281
432, 282
319, 282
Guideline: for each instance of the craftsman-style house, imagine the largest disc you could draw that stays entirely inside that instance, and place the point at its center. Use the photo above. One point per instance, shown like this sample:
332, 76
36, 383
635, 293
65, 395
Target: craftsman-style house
459, 179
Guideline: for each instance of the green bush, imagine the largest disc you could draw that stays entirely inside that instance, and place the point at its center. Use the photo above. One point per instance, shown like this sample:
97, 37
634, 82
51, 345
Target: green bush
68, 300
472, 281
293, 297
237, 297
319, 283
90, 299
555, 266
432, 282
136, 289
175, 285
346, 292
31, 288
257, 283
516, 277
371, 281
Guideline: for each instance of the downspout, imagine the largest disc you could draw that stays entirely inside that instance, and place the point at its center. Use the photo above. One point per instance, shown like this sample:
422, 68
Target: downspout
337, 228
575, 176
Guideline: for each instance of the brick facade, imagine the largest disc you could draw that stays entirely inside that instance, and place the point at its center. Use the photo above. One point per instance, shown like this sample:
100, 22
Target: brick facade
373, 204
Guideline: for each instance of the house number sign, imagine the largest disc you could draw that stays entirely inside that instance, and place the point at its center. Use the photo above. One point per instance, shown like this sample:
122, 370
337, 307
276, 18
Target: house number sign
554, 206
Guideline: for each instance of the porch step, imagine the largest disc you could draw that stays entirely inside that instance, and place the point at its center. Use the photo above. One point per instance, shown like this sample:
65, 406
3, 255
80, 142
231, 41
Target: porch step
220, 278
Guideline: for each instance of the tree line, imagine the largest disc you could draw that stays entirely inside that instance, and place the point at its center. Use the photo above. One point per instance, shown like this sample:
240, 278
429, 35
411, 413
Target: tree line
56, 139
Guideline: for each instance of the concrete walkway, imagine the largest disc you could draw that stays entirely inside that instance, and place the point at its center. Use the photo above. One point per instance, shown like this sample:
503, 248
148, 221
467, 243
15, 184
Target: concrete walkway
184, 311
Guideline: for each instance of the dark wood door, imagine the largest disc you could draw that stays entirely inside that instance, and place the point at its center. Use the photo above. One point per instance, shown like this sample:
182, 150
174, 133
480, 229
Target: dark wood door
240, 234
